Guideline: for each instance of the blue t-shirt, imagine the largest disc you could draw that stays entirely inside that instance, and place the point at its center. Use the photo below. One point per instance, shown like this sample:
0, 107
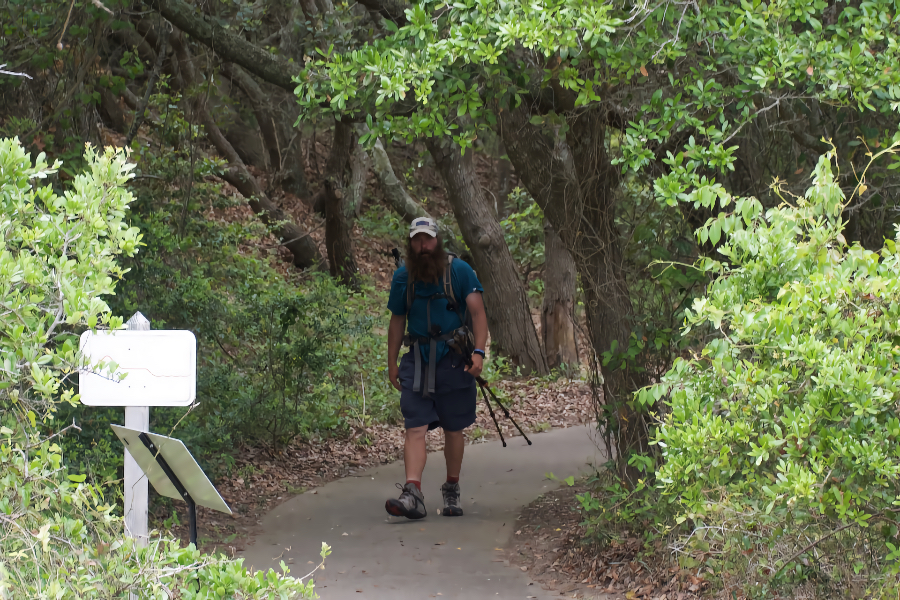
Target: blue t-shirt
464, 282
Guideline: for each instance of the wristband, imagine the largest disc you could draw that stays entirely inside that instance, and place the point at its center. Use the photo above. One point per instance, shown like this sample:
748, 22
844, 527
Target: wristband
481, 352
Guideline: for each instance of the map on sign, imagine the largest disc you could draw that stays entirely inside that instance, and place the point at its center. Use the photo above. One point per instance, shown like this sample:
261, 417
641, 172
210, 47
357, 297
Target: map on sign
160, 368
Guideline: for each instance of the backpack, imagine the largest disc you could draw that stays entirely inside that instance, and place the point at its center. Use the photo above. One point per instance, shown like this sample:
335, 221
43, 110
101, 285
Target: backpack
461, 340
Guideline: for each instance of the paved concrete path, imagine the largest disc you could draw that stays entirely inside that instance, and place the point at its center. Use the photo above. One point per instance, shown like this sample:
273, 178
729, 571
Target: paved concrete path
376, 556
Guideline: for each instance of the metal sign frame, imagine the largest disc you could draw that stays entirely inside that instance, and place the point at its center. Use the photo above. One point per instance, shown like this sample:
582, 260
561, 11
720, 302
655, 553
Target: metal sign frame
173, 471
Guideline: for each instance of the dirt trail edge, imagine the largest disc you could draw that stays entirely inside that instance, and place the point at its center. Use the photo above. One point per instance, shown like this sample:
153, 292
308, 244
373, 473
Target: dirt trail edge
378, 556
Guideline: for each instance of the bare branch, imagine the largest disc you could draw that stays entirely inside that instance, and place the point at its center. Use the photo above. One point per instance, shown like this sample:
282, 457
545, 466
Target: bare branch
13, 73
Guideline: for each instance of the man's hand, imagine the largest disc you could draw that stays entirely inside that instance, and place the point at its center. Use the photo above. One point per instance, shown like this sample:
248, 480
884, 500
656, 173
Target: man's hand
476, 367
394, 375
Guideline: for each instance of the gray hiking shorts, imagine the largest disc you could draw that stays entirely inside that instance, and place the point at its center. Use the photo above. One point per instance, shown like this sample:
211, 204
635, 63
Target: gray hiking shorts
451, 406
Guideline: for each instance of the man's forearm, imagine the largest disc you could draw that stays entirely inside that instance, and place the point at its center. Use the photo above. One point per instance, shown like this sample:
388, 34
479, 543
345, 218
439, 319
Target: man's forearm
395, 339
479, 324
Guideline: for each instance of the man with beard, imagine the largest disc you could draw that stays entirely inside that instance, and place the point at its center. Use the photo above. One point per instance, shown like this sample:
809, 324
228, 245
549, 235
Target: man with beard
437, 386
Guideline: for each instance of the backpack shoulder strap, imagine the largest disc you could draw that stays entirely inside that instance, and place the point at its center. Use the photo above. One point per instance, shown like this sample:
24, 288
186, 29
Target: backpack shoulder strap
448, 279
410, 294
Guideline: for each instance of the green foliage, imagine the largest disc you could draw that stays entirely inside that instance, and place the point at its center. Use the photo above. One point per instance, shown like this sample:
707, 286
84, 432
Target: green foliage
523, 231
59, 537
378, 221
58, 258
787, 420
658, 250
708, 69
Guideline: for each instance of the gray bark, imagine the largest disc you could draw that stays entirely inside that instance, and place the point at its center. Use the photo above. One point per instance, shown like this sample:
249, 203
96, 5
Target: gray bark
509, 316
337, 190
229, 46
356, 190
396, 195
572, 179
303, 249
261, 110
558, 308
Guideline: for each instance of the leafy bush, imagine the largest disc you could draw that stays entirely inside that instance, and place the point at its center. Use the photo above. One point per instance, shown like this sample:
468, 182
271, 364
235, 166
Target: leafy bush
59, 537
782, 448
523, 231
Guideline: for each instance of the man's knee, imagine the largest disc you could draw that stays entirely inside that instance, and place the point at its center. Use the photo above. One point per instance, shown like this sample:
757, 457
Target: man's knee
416, 433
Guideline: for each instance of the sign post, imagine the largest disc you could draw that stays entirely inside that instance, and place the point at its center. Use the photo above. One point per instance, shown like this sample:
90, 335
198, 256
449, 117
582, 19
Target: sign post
154, 368
137, 504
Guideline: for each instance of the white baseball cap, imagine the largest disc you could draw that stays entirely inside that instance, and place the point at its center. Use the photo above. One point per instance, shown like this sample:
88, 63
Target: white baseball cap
423, 224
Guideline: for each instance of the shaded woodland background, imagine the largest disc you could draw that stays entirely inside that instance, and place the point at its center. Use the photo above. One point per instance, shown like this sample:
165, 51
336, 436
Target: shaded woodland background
268, 226
246, 205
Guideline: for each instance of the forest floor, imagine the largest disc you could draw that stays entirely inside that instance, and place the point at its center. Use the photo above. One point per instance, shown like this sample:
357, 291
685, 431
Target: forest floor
379, 557
551, 543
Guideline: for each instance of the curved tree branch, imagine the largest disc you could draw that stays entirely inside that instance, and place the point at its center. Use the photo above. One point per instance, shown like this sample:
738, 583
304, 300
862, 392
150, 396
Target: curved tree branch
393, 10
151, 83
229, 46
301, 246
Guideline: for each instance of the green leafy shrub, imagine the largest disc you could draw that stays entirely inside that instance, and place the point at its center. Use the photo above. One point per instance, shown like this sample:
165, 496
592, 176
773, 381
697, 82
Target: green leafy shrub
782, 447
59, 536
523, 231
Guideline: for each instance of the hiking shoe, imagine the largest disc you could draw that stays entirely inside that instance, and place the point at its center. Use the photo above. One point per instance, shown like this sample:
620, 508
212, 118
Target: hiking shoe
450, 491
411, 503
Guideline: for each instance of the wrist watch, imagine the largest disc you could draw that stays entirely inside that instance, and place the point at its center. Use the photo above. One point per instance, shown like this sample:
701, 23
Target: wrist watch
478, 351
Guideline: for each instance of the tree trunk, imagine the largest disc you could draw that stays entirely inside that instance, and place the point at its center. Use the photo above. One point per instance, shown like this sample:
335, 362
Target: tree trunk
337, 190
282, 141
359, 172
572, 180
228, 45
111, 108
504, 175
509, 316
261, 110
558, 310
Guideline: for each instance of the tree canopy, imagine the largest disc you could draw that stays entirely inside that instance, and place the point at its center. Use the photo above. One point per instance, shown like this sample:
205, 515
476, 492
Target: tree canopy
660, 67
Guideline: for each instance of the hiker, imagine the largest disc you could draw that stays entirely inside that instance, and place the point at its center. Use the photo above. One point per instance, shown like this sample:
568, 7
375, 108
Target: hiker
435, 294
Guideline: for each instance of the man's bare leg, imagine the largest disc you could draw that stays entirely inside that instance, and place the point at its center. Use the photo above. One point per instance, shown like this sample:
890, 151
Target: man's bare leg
411, 503
414, 455
454, 446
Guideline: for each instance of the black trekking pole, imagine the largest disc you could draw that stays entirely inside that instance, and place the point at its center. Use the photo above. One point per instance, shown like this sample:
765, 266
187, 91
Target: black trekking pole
486, 386
458, 345
491, 411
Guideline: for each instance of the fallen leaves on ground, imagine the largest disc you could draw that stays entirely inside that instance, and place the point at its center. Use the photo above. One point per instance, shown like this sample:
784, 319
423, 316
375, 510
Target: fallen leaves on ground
549, 542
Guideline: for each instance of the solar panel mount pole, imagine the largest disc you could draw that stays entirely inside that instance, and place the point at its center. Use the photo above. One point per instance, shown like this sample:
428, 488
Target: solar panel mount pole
136, 485
192, 506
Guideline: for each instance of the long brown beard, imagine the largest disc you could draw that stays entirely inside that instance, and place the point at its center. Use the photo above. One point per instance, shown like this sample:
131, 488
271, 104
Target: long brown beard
426, 267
